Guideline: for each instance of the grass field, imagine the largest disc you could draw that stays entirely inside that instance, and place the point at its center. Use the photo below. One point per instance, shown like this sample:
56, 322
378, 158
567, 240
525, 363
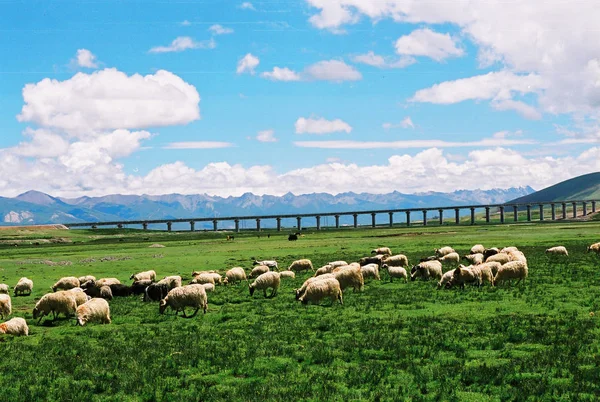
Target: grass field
394, 341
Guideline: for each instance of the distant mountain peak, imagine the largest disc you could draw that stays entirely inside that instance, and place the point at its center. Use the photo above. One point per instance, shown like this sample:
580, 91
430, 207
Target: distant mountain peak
37, 197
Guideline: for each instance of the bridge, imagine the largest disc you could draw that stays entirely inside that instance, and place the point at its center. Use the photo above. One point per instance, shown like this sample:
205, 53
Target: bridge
558, 209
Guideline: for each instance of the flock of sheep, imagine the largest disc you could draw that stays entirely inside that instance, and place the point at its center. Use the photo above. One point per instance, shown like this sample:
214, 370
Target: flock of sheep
86, 297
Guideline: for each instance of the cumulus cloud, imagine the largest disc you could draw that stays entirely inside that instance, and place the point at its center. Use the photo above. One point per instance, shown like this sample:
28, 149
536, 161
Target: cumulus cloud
109, 99
325, 70
425, 42
247, 6
247, 64
266, 136
182, 43
372, 59
85, 58
281, 74
218, 29
405, 123
321, 126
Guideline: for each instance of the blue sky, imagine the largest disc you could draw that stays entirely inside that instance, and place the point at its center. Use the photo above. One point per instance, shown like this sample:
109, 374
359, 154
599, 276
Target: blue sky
303, 96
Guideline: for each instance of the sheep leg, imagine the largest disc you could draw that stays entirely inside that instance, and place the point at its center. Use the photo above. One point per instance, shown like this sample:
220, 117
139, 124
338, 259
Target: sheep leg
341, 298
195, 312
183, 310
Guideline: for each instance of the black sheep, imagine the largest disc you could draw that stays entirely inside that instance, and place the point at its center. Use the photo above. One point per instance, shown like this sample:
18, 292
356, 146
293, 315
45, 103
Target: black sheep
156, 292
139, 287
120, 290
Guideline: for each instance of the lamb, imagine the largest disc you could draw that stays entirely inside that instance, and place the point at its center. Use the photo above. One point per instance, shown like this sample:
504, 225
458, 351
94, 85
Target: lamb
5, 305
450, 259
272, 264
107, 281
85, 278
79, 295
325, 269
139, 287
105, 292
474, 259
217, 278
477, 249
302, 289
257, 271
502, 258
594, 248
24, 285
301, 265
236, 274
145, 275
3, 288
56, 303
16, 326
66, 283
512, 270
265, 281
426, 270
287, 274
209, 287
558, 250
398, 260
95, 310
185, 296
440, 252
351, 277
172, 282
370, 271
396, 272
326, 288
377, 259
335, 264
156, 291
446, 279
382, 250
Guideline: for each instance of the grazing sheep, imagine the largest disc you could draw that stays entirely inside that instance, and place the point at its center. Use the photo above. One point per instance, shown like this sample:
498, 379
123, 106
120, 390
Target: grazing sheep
326, 288
595, 248
426, 270
236, 274
16, 326
145, 275
24, 285
488, 252
325, 269
509, 249
196, 273
430, 258
202, 279
398, 260
396, 272
85, 278
484, 272
474, 258
446, 279
287, 274
185, 296
450, 259
517, 256
3, 288
462, 275
156, 291
94, 310
299, 292
376, 259
502, 258
107, 282
440, 252
382, 250
558, 250
217, 278
105, 292
257, 271
66, 283
56, 303
352, 265
301, 265
265, 281
494, 266
79, 295
335, 264
477, 249
350, 277
512, 270
209, 287
293, 237
272, 264
172, 282
120, 290
5, 306
139, 287
370, 271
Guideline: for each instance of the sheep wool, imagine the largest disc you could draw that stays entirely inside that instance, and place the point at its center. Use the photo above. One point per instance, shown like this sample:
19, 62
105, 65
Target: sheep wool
209, 287
376, 259
464, 275
335, 264
95, 310
494, 266
509, 249
512, 270
79, 295
106, 292
5, 305
325, 269
236, 274
107, 282
474, 258
398, 260
517, 256
172, 282
595, 248
382, 250
319, 290
287, 274
484, 273
440, 252
3, 288
56, 303
502, 258
16, 326
350, 277
450, 258
370, 271
272, 264
185, 296
426, 270
301, 265
268, 280
558, 250
85, 278
257, 271
25, 285
302, 289
396, 272
477, 249
145, 275
66, 283
202, 279
446, 279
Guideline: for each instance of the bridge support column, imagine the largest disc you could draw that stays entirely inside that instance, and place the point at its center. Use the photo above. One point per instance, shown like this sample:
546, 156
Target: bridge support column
457, 215
501, 214
169, 225
192, 224
584, 208
215, 226
487, 214
257, 224
237, 225
593, 206
337, 221
553, 211
528, 213
574, 210
373, 223
318, 222
515, 213
564, 210
541, 212
145, 225
441, 212
424, 217
278, 224
391, 219
472, 216
407, 218
299, 223
355, 220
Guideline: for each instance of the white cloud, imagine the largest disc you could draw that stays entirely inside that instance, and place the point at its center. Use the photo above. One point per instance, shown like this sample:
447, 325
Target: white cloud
42, 144
281, 74
406, 144
372, 59
525, 110
85, 58
109, 99
405, 123
185, 23
218, 29
332, 70
182, 43
425, 42
247, 64
247, 6
321, 126
266, 136
198, 145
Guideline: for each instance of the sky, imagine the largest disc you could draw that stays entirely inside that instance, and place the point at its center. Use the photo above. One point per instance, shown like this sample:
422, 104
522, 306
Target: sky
270, 97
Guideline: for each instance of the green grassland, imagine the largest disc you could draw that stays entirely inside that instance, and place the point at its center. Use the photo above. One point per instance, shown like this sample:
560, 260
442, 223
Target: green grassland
394, 341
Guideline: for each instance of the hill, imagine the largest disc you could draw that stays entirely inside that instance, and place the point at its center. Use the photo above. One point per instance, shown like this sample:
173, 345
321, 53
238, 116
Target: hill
584, 187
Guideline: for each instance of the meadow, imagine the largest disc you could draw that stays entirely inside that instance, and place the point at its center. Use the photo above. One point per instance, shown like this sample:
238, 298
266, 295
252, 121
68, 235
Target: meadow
394, 341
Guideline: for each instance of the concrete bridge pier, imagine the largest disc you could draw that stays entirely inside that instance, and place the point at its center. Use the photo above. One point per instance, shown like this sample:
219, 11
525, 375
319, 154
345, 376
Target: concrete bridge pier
391, 219
487, 214
424, 217
215, 225
564, 210
515, 213
593, 206
407, 218
318, 222
192, 225
355, 220
337, 221
528, 213
541, 212
373, 223
553, 211
501, 214
584, 208
441, 212
278, 224
257, 224
472, 216
169, 225
457, 216
574, 210
237, 225
299, 223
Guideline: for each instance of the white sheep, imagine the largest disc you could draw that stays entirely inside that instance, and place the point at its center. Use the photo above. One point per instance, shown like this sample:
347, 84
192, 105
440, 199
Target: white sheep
512, 270
259, 270
558, 250
450, 259
94, 310
350, 277
477, 249
335, 264
236, 274
325, 269
426, 270
202, 279
446, 279
209, 287
145, 275
85, 278
287, 274
302, 289
272, 264
185, 296
172, 282
79, 295
106, 292
509, 249
440, 252
5, 305
66, 283
382, 250
352, 265
217, 278
318, 290
398, 260
396, 272
301, 265
56, 303
107, 282
502, 258
517, 256
462, 275
595, 248
474, 259
484, 272
268, 280
494, 266
370, 271
3, 288
24, 285
16, 326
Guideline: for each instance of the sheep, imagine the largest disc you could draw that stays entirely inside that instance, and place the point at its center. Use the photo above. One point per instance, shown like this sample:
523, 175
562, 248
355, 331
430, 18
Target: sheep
265, 281
272, 264
446, 279
287, 274
299, 292
502, 258
350, 277
185, 296
370, 271
512, 270
236, 274
301, 265
24, 285
382, 250
257, 271
516, 256
66, 283
151, 275
94, 310
3, 288
217, 278
474, 258
450, 259
377, 259
477, 249
558, 250
85, 278
335, 264
325, 269
120, 290
509, 249
139, 287
209, 287
484, 272
56, 303
196, 273
494, 266
5, 305
172, 282
440, 252
16, 326
292, 237
396, 272
594, 248
156, 291
352, 265
462, 275
426, 270
202, 279
105, 292
488, 252
398, 260
79, 295
107, 281
319, 290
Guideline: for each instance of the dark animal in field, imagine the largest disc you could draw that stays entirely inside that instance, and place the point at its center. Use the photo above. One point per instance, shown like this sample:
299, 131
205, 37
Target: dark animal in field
430, 258
120, 290
293, 237
488, 252
139, 287
376, 259
230, 237
156, 292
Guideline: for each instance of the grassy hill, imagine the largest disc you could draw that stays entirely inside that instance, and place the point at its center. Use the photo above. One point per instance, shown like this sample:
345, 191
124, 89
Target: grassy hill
584, 187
